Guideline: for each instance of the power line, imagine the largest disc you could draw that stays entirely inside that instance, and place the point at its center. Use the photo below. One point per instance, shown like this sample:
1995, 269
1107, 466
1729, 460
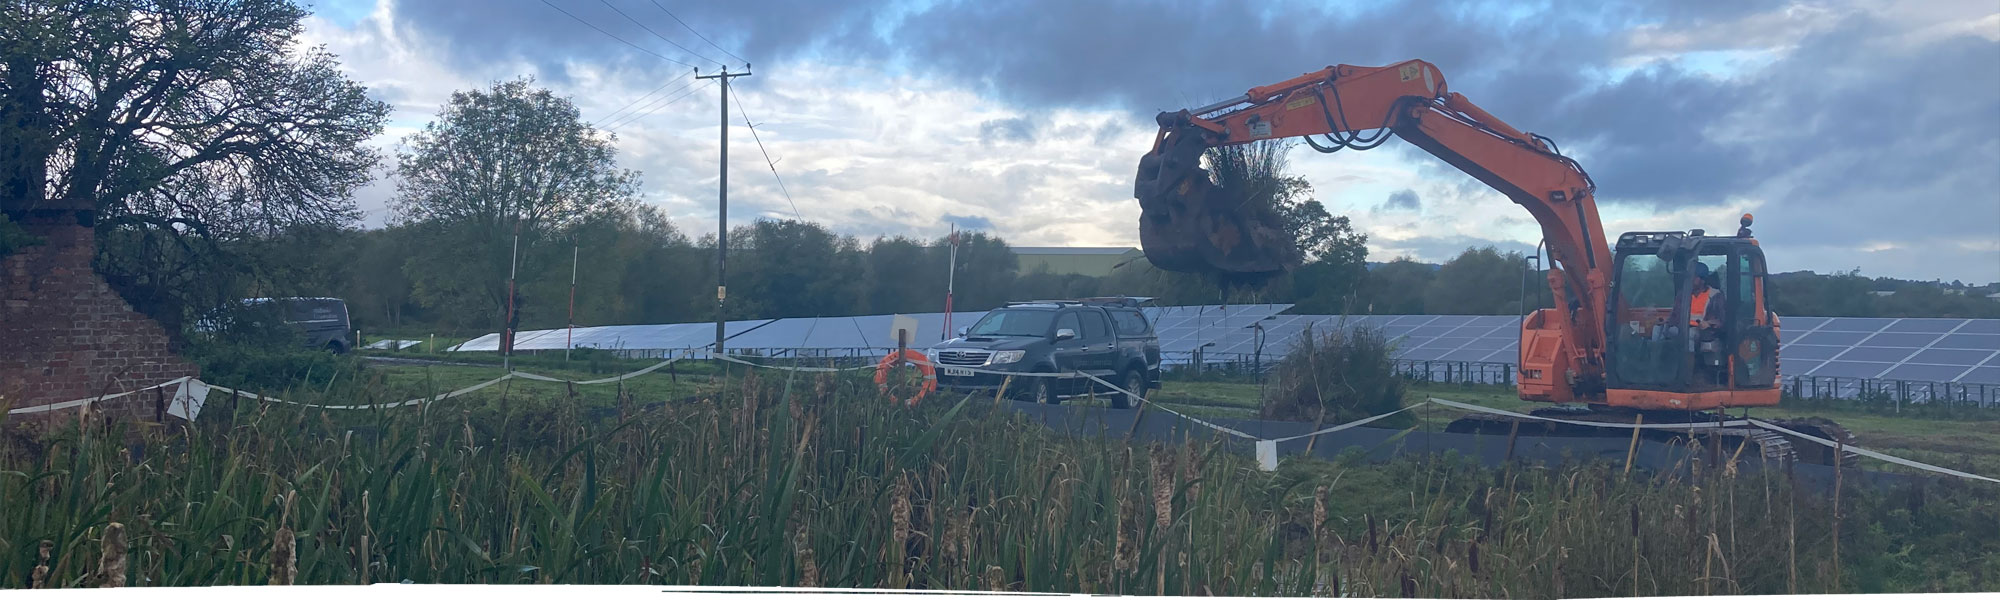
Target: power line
615, 37
698, 34
607, 117
607, 4
657, 105
767, 156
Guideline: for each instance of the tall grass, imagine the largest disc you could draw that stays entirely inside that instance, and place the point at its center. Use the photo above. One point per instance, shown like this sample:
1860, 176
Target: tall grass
815, 480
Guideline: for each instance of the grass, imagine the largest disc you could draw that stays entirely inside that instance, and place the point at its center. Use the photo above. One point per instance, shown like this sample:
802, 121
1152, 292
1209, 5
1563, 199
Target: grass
768, 479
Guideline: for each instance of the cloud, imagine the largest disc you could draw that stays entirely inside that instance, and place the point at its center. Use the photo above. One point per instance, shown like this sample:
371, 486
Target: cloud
1403, 200
1014, 129
1846, 123
969, 222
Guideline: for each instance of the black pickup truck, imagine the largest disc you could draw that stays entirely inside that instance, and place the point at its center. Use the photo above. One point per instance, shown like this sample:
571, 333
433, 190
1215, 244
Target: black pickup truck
1106, 337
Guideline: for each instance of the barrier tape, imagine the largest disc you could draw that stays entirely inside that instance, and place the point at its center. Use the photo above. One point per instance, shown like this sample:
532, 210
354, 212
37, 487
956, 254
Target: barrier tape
189, 399
94, 399
1873, 454
1675, 426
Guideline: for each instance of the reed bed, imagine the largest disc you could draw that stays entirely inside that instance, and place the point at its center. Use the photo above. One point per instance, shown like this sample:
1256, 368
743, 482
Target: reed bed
815, 481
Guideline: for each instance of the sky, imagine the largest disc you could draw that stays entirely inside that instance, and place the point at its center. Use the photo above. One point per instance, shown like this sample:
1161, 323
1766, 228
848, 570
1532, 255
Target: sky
1863, 134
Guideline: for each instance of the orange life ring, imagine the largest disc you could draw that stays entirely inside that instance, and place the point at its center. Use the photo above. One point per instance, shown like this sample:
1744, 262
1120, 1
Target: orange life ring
923, 364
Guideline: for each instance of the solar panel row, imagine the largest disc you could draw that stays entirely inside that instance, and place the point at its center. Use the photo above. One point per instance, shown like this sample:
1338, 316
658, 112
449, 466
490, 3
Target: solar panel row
1928, 350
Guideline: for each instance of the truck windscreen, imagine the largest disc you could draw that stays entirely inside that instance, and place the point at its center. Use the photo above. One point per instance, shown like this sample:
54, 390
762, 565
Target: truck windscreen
1014, 323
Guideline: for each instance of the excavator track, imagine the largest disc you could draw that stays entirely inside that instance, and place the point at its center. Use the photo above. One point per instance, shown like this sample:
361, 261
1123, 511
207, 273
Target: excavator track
1744, 444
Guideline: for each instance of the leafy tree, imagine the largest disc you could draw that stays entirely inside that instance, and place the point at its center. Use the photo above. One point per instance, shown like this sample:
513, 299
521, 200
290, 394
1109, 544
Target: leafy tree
795, 269
904, 276
986, 269
1397, 287
179, 125
1477, 282
1041, 284
496, 161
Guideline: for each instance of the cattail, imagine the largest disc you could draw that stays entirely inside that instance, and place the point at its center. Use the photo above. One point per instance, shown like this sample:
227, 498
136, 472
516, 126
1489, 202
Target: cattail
285, 547
284, 559
1472, 556
1163, 490
899, 512
1371, 534
40, 577
808, 568
694, 571
1319, 519
1121, 554
111, 568
1191, 473
1409, 584
996, 579
1635, 520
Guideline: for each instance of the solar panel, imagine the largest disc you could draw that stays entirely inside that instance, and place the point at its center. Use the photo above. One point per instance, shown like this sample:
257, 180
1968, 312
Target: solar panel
1901, 340
1863, 353
1980, 326
1925, 325
1984, 375
1970, 341
1840, 368
1833, 338
1951, 356
1811, 352
1910, 372
1869, 325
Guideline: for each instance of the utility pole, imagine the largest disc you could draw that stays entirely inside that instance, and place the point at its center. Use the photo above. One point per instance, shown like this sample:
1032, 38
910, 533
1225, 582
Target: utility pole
722, 206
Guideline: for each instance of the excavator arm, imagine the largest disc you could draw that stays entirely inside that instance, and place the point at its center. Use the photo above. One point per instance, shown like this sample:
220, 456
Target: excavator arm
1189, 224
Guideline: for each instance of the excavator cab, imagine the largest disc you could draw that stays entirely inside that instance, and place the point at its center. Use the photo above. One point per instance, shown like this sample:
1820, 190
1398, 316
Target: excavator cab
1689, 324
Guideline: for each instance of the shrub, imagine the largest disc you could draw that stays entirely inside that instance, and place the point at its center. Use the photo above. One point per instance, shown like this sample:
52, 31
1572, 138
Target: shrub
1343, 374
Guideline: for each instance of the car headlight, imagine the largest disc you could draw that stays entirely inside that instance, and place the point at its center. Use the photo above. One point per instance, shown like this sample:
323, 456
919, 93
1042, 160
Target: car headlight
1007, 356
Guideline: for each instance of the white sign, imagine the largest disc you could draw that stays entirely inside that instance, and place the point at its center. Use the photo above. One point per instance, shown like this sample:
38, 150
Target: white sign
903, 327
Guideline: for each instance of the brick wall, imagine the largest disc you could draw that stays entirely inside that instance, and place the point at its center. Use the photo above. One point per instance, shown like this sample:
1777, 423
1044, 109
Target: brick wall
65, 335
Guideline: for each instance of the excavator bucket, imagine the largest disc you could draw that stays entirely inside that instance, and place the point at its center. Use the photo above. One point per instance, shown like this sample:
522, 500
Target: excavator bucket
1188, 224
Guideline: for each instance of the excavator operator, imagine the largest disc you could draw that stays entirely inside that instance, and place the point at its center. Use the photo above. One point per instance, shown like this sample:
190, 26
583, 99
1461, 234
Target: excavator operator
1704, 296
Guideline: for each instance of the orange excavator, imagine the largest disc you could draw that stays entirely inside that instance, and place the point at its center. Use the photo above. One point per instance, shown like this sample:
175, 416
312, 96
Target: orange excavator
1656, 327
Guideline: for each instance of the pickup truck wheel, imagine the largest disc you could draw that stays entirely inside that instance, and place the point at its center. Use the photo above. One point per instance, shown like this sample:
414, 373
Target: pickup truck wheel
1044, 391
1130, 380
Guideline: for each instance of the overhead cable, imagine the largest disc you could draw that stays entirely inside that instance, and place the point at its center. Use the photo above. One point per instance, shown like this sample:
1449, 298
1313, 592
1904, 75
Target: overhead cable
615, 37
607, 4
698, 34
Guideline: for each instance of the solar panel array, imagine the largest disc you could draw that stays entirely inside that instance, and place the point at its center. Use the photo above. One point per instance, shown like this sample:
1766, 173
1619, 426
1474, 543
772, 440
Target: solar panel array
1961, 351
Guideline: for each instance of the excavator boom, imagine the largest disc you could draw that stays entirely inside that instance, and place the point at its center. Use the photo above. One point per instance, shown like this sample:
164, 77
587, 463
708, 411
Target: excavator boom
1190, 224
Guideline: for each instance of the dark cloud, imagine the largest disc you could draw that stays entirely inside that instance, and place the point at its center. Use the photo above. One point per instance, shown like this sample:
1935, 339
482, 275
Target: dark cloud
1015, 129
1852, 127
1403, 200
970, 222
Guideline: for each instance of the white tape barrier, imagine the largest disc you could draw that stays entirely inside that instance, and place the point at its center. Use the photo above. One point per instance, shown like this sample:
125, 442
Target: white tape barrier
91, 400
1873, 454
1675, 426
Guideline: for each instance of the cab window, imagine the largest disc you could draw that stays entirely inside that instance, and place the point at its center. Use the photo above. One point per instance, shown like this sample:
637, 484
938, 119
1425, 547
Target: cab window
1094, 325
1130, 323
1068, 321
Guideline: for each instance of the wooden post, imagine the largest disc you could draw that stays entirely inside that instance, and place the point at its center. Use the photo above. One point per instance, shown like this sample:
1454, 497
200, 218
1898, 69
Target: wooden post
1634, 448
1839, 452
1003, 390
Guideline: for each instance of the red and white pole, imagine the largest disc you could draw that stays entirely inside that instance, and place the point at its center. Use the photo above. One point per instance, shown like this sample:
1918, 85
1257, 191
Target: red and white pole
507, 329
950, 278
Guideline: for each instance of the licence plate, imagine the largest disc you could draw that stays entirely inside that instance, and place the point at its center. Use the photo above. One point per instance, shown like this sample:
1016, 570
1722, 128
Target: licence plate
954, 371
